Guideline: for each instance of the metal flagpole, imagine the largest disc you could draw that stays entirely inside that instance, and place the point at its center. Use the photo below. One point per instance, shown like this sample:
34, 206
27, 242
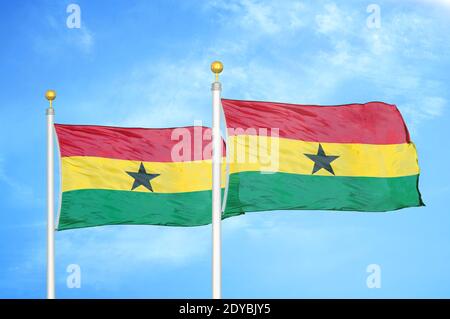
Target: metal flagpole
216, 68
50, 95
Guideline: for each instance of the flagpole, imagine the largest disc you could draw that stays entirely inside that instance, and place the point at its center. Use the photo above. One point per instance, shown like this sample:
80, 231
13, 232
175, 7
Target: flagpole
50, 95
216, 88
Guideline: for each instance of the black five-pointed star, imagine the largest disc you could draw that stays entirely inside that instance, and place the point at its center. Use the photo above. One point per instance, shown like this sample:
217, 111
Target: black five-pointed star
321, 160
142, 178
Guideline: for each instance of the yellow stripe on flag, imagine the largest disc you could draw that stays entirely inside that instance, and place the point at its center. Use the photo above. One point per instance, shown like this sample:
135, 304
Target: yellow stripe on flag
85, 172
272, 154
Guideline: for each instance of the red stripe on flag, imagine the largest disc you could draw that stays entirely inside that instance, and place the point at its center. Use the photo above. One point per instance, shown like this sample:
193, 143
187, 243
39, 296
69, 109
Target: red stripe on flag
370, 123
142, 144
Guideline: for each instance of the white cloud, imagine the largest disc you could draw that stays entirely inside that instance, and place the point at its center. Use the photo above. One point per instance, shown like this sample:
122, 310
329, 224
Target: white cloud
444, 3
424, 108
262, 17
84, 39
59, 38
434, 105
174, 92
332, 20
164, 93
152, 94
389, 59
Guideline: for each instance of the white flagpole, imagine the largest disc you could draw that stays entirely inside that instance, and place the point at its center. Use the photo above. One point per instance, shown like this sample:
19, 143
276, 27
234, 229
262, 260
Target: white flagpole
216, 68
50, 95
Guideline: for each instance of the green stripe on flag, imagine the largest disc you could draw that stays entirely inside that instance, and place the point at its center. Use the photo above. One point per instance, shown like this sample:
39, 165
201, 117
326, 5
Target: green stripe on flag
96, 207
253, 191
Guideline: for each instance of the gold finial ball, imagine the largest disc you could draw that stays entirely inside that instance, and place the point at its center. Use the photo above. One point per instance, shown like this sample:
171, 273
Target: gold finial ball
50, 95
216, 67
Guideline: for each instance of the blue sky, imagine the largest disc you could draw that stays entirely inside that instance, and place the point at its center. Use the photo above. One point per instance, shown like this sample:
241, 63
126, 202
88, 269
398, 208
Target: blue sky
146, 63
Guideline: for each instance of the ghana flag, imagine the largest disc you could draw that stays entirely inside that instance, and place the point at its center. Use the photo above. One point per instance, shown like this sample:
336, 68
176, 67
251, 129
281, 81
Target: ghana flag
352, 157
113, 175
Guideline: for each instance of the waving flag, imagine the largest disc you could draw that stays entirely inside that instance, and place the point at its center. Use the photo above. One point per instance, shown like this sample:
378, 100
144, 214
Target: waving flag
351, 157
113, 175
